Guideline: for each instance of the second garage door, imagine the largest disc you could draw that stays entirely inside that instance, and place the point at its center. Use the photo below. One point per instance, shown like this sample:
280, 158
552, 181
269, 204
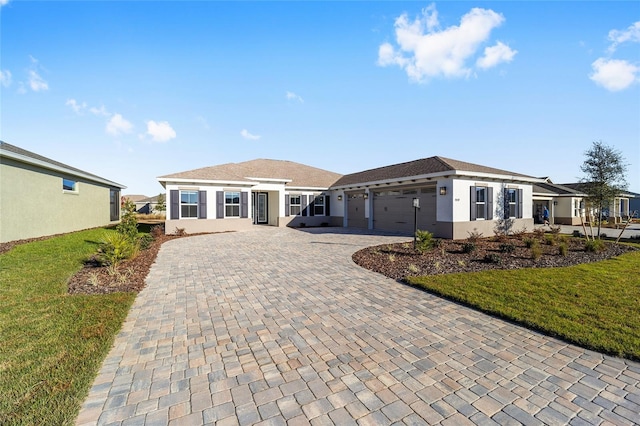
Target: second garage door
393, 209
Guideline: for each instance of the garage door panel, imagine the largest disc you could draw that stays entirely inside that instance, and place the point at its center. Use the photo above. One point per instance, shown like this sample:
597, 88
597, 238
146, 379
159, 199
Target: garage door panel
395, 212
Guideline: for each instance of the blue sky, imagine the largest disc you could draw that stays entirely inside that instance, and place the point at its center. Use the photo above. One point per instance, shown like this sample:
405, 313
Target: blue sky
135, 90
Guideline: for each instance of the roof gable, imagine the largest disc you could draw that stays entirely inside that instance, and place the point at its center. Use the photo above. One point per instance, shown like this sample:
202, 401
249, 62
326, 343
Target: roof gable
424, 166
296, 174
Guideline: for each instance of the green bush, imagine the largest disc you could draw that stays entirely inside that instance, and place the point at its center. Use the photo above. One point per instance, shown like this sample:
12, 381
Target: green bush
424, 241
507, 248
530, 242
469, 247
551, 239
128, 225
145, 241
116, 247
536, 252
594, 245
493, 258
563, 248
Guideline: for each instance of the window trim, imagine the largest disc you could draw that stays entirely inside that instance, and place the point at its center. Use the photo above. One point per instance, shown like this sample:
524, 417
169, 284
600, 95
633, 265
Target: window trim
509, 205
293, 204
73, 190
321, 204
238, 204
114, 204
181, 204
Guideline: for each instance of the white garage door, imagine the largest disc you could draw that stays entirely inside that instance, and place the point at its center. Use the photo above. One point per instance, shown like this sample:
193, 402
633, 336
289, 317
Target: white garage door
393, 209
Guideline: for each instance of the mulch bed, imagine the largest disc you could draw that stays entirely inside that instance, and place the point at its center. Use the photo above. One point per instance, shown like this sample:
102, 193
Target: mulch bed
399, 261
130, 275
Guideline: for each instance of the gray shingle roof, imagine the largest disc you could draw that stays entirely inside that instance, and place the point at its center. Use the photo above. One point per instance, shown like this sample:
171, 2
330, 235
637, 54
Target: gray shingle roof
554, 188
37, 159
300, 175
424, 166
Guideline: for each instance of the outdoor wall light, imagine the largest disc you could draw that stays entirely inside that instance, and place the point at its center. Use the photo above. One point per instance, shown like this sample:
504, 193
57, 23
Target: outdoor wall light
443, 190
366, 195
339, 197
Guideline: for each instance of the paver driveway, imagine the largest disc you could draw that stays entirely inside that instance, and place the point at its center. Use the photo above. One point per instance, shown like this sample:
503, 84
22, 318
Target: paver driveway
279, 326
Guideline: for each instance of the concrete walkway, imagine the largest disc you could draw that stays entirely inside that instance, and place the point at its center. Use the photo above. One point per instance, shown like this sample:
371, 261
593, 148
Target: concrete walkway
279, 326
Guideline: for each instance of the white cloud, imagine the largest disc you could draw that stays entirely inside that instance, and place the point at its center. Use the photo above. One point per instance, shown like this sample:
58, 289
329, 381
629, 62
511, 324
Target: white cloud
99, 111
496, 54
631, 34
425, 52
75, 106
118, 125
5, 78
37, 83
614, 74
160, 131
3, 2
245, 134
293, 96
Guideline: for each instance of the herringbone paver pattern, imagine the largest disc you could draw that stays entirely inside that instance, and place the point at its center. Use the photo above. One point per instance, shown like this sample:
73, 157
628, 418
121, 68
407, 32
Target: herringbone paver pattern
278, 326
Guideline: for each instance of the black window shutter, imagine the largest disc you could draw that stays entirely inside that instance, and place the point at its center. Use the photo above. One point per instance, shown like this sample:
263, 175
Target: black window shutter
505, 203
489, 203
219, 204
202, 204
327, 205
519, 204
303, 206
244, 205
312, 205
286, 204
473, 203
175, 204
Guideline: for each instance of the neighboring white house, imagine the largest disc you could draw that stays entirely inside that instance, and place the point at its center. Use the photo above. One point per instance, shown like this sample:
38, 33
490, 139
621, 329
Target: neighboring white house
40, 196
567, 203
455, 198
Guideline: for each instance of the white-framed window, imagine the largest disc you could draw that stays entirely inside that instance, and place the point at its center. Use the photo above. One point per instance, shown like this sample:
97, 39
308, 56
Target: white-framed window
481, 203
294, 205
231, 204
318, 206
69, 185
511, 203
188, 204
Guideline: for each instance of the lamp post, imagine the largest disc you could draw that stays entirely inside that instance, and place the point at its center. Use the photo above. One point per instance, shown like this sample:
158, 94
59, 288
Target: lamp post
416, 206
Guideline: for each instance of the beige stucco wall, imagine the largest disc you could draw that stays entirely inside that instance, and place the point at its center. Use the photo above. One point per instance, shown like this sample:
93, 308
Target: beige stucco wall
196, 226
33, 204
461, 230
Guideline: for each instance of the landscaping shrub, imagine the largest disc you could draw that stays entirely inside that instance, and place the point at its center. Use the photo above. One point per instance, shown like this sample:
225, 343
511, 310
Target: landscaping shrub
563, 248
145, 241
157, 231
128, 225
493, 258
424, 241
555, 229
507, 248
474, 235
529, 242
536, 251
116, 247
550, 239
469, 247
594, 245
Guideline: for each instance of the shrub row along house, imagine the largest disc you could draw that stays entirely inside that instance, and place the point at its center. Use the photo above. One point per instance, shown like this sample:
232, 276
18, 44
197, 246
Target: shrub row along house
454, 197
40, 196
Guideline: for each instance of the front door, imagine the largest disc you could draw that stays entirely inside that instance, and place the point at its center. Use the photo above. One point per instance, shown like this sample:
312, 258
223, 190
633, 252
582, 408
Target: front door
262, 215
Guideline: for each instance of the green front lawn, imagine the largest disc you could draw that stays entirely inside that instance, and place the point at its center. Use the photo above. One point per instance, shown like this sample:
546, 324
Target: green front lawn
52, 344
595, 305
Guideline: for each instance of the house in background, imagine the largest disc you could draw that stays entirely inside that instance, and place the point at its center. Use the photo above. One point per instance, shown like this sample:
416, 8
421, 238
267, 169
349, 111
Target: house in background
567, 203
235, 196
40, 196
455, 198
144, 204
